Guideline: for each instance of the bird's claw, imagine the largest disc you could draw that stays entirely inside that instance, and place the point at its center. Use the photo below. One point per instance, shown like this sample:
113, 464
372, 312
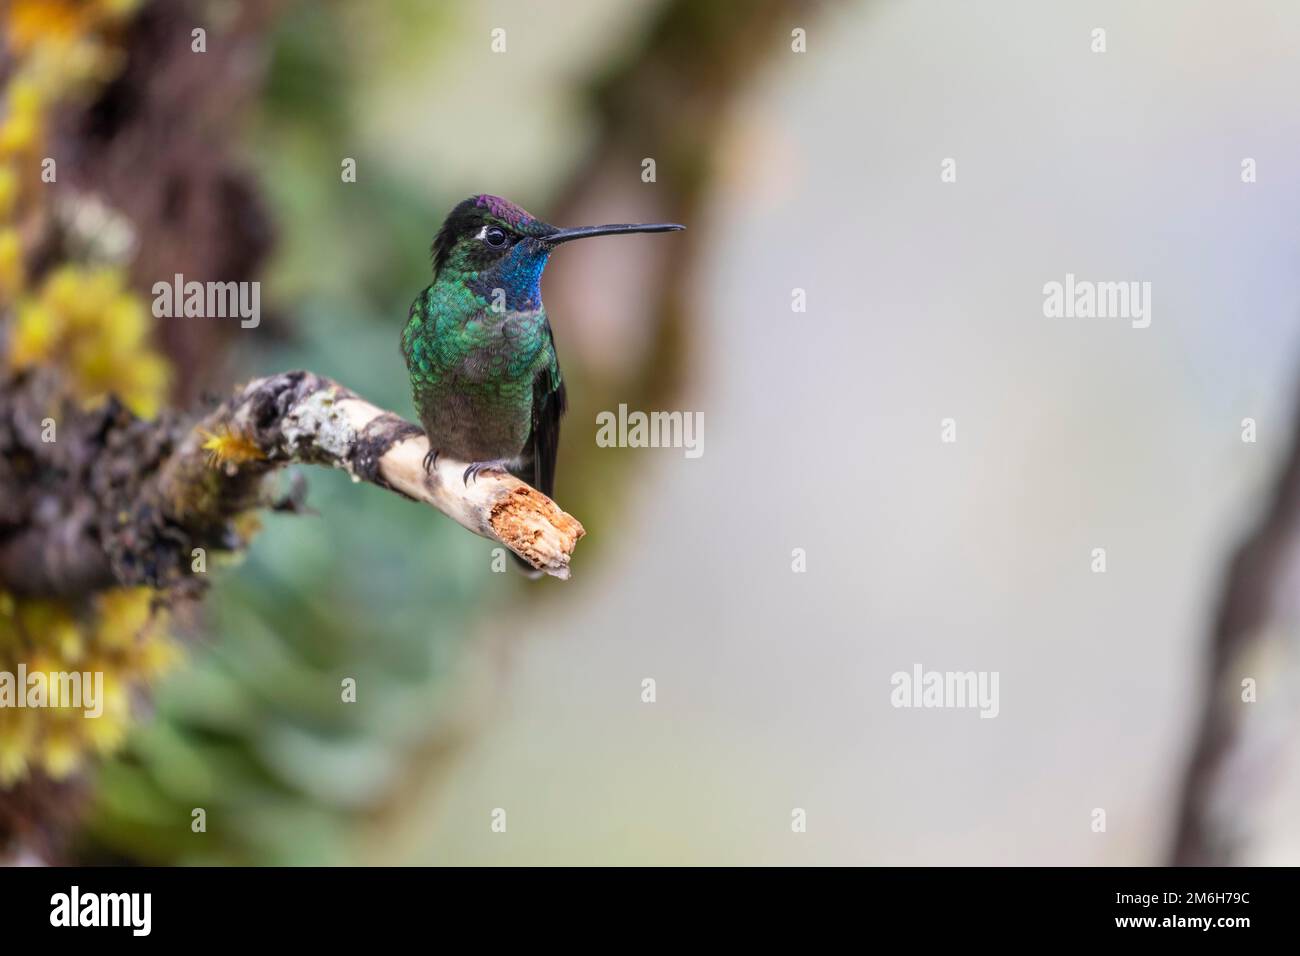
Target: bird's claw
430, 460
497, 467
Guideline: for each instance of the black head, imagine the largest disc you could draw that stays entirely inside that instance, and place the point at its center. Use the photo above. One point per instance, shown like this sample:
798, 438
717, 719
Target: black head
487, 233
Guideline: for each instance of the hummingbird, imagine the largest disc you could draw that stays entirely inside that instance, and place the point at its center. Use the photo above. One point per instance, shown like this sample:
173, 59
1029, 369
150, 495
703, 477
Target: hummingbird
479, 348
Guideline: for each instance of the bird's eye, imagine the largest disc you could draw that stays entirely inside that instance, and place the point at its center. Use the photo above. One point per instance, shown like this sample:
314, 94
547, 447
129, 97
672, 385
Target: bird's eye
494, 236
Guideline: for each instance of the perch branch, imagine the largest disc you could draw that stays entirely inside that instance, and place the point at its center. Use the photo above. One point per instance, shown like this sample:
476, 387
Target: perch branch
304, 418
118, 500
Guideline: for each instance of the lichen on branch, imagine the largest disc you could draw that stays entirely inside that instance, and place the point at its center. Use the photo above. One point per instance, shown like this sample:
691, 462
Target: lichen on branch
302, 417
126, 501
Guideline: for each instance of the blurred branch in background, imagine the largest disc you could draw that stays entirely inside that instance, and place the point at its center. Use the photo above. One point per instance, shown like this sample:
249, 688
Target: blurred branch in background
1248, 715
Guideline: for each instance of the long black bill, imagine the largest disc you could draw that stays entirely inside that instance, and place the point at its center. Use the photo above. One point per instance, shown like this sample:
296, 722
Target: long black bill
586, 232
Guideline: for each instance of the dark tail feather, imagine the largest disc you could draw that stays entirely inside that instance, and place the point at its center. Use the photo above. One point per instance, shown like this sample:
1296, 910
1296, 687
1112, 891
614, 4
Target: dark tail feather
537, 466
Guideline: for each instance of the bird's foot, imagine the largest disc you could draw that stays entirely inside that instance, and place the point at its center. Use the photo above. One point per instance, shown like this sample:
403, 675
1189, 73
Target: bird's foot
495, 467
430, 460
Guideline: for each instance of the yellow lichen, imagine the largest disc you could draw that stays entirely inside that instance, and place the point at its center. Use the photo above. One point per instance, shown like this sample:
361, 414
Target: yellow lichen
8, 190
11, 264
228, 446
67, 32
122, 635
55, 49
87, 323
